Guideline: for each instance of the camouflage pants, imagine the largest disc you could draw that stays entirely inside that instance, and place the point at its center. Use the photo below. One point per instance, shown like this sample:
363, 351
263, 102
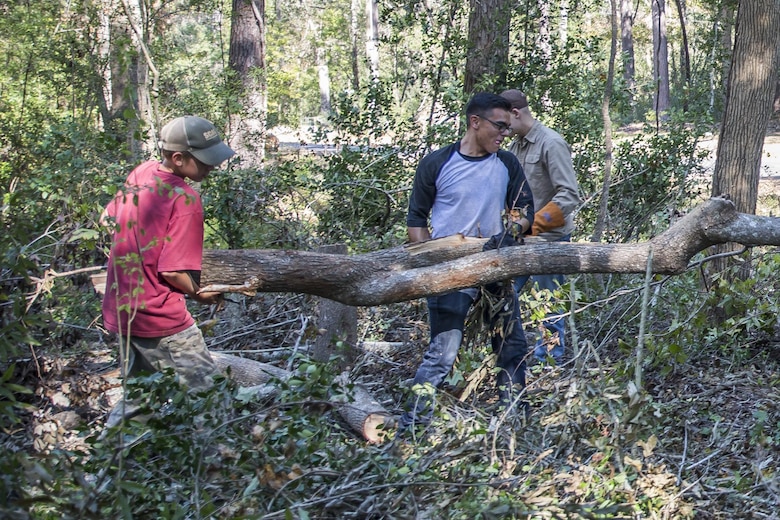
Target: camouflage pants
185, 352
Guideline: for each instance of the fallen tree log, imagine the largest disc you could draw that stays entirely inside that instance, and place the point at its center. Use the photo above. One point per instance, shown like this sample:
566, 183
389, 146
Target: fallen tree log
439, 266
360, 410
248, 372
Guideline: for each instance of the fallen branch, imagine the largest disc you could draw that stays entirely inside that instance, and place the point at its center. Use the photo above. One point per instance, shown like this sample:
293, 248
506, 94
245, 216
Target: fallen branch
439, 266
361, 411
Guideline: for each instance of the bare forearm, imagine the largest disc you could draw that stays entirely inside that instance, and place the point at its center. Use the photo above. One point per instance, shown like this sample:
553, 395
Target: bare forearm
183, 281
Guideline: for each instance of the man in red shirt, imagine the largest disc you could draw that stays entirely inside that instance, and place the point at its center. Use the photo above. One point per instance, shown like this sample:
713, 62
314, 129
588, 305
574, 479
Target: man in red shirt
156, 257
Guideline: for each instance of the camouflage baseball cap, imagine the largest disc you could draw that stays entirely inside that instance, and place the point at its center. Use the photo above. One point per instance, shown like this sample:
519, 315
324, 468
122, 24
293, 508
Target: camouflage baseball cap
198, 136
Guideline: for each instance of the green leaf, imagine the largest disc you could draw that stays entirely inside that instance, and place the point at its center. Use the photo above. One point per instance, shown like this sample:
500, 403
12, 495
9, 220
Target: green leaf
83, 234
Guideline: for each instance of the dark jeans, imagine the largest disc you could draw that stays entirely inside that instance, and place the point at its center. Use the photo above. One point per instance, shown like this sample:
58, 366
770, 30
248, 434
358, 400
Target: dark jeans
447, 316
554, 322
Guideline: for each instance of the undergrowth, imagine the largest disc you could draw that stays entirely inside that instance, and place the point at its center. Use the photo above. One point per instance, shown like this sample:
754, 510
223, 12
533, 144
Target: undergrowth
596, 446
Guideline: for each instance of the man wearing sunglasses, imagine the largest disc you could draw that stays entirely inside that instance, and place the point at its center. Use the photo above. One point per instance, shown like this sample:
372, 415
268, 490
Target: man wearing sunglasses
465, 188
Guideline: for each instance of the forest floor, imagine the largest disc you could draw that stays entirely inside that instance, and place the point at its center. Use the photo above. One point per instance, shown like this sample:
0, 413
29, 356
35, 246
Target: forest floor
770, 156
715, 458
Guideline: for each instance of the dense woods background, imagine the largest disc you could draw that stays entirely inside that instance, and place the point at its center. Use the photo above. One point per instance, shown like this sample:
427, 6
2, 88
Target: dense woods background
331, 104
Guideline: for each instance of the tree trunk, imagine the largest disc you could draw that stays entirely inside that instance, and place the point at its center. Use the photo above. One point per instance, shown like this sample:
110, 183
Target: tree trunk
247, 372
247, 59
323, 79
489, 45
776, 102
142, 66
601, 219
661, 100
443, 265
627, 50
103, 62
563, 23
544, 45
685, 59
749, 98
336, 325
354, 39
372, 38
323, 71
726, 23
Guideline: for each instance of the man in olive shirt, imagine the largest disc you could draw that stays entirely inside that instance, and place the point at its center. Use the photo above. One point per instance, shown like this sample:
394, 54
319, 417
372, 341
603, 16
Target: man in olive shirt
546, 160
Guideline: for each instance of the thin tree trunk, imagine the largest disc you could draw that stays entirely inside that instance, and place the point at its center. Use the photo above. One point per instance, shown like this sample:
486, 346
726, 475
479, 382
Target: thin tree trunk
372, 38
437, 79
726, 23
627, 50
354, 54
563, 23
104, 94
144, 66
598, 229
685, 58
544, 46
323, 79
661, 102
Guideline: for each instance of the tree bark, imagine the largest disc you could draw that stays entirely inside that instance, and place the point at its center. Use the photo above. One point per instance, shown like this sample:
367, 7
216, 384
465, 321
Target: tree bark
443, 265
726, 25
489, 44
749, 98
372, 38
247, 59
361, 411
748, 103
336, 325
601, 219
627, 50
140, 69
323, 79
248, 372
354, 20
563, 23
661, 102
544, 46
685, 58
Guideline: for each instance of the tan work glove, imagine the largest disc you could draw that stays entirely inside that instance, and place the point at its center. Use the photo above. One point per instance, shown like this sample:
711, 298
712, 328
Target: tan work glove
548, 218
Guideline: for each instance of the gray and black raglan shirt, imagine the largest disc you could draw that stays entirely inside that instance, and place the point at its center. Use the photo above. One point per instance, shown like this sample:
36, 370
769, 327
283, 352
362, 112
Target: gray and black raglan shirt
467, 195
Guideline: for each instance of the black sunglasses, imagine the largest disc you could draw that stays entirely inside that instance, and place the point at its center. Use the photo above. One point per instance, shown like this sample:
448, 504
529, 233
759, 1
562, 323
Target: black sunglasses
500, 125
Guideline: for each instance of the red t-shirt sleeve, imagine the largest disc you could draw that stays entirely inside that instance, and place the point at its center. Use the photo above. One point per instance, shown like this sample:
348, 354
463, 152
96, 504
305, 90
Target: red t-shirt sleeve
182, 249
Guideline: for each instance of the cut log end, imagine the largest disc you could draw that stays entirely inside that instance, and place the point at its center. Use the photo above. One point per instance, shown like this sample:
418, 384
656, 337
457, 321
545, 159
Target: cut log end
378, 427
363, 413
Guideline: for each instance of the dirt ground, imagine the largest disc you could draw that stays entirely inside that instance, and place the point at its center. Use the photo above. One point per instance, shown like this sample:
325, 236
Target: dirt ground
770, 156
769, 181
